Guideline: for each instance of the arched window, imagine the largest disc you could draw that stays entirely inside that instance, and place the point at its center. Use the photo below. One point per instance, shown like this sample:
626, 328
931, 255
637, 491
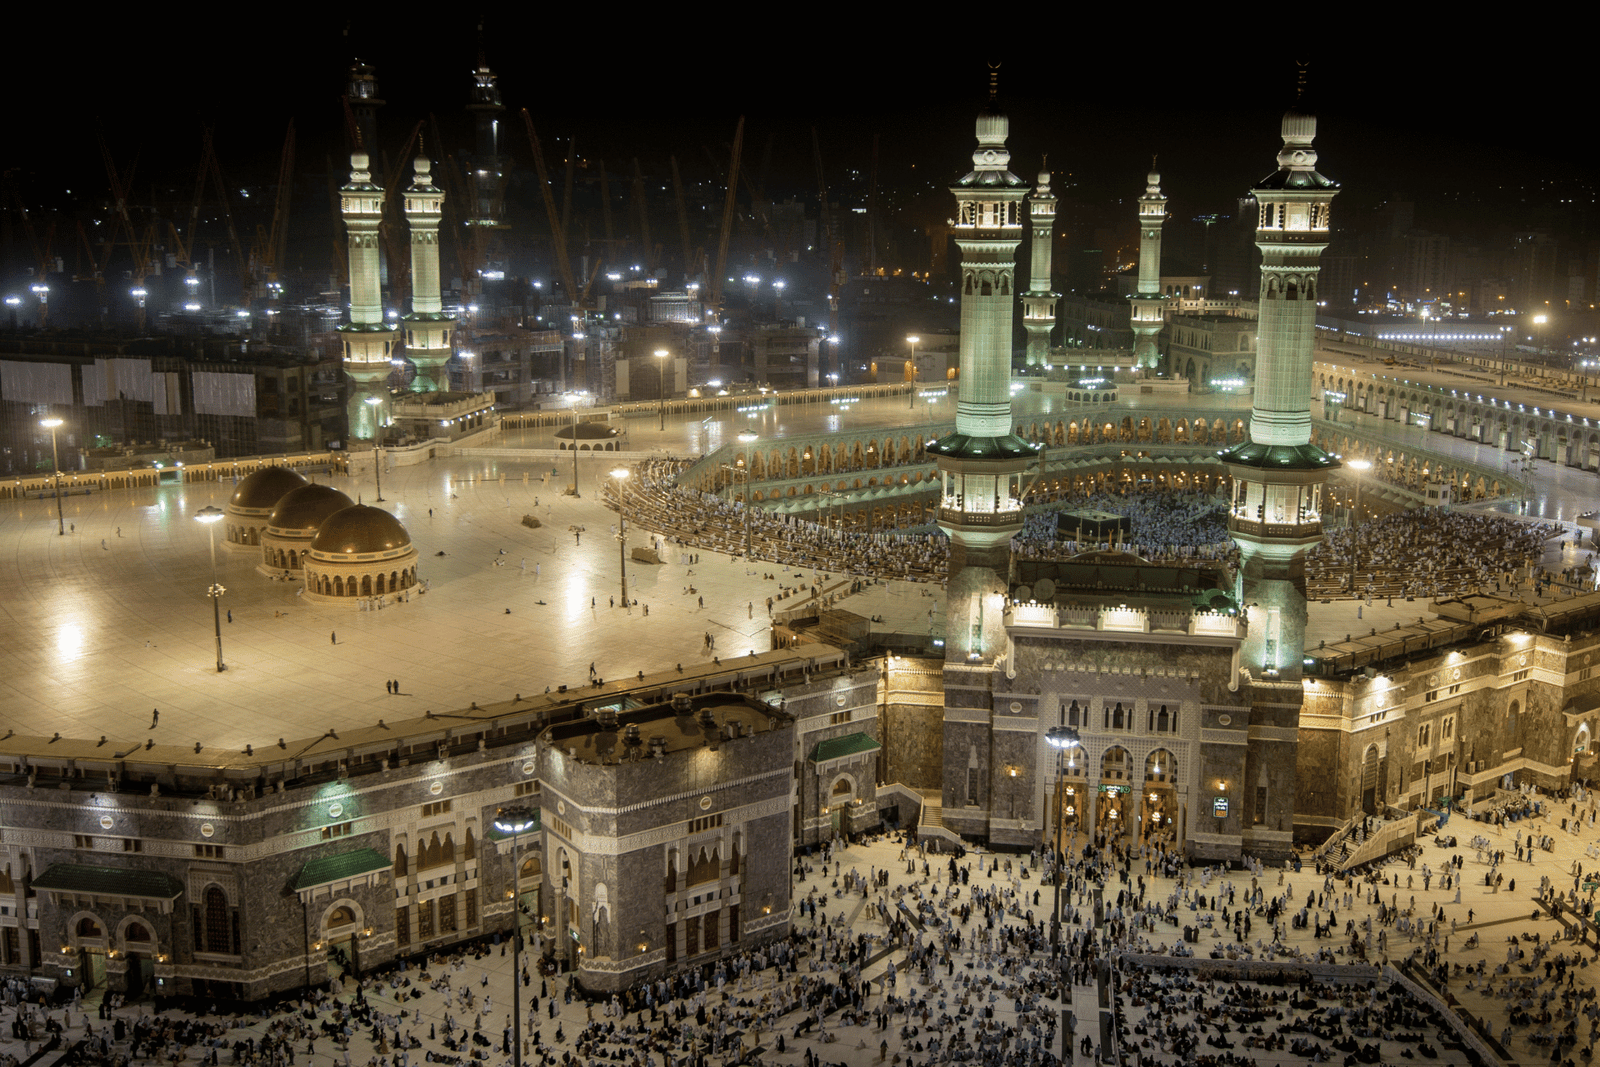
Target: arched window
217, 924
1511, 718
136, 932
470, 847
1116, 717
1072, 715
341, 916
87, 927
399, 859
1162, 719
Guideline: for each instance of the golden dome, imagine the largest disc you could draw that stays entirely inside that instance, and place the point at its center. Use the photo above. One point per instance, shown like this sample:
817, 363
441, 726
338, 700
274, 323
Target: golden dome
265, 488
360, 530
308, 507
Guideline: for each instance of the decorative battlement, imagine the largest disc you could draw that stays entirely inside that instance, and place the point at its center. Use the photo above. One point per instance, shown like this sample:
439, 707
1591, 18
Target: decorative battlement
1127, 619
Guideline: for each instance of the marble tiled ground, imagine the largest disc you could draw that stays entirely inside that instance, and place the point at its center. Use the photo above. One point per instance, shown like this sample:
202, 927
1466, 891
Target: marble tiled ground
111, 621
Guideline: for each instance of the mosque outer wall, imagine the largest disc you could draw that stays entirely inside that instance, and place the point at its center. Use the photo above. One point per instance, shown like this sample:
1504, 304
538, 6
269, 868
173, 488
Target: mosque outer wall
1450, 724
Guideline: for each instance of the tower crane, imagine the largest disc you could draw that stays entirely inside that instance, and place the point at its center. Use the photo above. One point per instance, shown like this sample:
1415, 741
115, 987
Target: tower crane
719, 277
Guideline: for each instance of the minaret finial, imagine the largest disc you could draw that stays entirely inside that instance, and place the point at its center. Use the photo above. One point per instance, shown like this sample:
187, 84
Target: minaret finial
994, 80
1300, 78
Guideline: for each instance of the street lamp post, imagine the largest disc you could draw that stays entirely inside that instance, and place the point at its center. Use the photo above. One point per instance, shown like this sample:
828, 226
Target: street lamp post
53, 424
377, 443
515, 821
661, 384
1357, 465
621, 475
1061, 739
575, 492
912, 339
210, 515
747, 437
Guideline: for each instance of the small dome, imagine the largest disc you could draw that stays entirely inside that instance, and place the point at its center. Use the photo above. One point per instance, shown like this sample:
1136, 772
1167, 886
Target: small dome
265, 488
1299, 126
993, 126
308, 507
360, 530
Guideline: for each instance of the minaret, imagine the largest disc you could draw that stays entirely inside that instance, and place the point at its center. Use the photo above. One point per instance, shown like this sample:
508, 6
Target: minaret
362, 91
1148, 303
428, 327
981, 464
1278, 475
369, 342
1039, 303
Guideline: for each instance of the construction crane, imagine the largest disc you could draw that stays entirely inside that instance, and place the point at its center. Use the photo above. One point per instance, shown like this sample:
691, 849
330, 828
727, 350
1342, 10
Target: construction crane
558, 236
605, 210
833, 248
42, 257
651, 253
691, 260
139, 242
268, 252
719, 277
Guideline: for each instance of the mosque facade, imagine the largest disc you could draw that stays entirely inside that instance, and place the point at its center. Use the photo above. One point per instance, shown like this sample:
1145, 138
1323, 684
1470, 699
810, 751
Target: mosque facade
666, 810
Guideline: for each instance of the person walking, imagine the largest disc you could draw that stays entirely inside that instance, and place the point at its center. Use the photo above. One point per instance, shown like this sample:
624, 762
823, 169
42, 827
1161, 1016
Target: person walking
155, 717
333, 638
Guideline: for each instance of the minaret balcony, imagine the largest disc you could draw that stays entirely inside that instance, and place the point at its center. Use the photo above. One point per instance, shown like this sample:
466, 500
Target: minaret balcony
1307, 528
1010, 514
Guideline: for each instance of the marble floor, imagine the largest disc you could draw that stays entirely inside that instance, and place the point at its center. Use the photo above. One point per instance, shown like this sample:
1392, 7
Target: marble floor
109, 622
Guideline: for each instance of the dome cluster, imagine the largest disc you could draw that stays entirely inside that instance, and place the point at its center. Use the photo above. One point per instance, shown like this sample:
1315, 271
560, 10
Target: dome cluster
341, 549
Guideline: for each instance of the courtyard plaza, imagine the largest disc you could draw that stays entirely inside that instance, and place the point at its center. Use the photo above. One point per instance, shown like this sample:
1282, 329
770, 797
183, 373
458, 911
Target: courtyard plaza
110, 622
916, 996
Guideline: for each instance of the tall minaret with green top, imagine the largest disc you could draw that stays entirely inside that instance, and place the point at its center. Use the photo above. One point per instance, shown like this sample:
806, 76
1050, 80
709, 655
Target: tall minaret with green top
1278, 475
1148, 301
428, 327
368, 340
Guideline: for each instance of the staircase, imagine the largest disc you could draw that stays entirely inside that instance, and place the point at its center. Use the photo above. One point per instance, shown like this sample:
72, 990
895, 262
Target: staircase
930, 824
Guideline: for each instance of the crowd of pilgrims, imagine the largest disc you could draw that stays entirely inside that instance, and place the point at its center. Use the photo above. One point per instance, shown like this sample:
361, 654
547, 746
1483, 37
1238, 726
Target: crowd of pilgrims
957, 968
1426, 552
1164, 527
1202, 1020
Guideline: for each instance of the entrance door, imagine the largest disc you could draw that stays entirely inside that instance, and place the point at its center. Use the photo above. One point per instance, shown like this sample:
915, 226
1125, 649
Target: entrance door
92, 964
140, 975
833, 819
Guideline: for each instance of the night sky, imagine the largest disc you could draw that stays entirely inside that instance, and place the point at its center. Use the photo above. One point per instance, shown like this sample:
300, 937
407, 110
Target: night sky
1476, 144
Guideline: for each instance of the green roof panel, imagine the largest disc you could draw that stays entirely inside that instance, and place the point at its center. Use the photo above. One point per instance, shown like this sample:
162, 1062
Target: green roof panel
337, 868
109, 881
848, 745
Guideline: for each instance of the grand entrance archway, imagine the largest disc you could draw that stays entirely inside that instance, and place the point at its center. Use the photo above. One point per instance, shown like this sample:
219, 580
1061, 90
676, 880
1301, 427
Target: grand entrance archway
1114, 809
1158, 799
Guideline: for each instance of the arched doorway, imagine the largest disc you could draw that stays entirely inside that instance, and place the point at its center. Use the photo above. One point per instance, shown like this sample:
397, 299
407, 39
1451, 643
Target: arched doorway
138, 945
840, 796
1369, 781
1112, 814
89, 938
1158, 799
341, 924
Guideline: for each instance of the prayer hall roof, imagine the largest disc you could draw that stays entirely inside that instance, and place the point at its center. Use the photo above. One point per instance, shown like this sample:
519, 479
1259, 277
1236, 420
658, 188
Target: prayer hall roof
360, 530
266, 487
308, 507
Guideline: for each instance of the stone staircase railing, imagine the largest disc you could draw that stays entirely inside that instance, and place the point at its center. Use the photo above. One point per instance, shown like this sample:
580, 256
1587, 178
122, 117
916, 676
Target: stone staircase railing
1392, 835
